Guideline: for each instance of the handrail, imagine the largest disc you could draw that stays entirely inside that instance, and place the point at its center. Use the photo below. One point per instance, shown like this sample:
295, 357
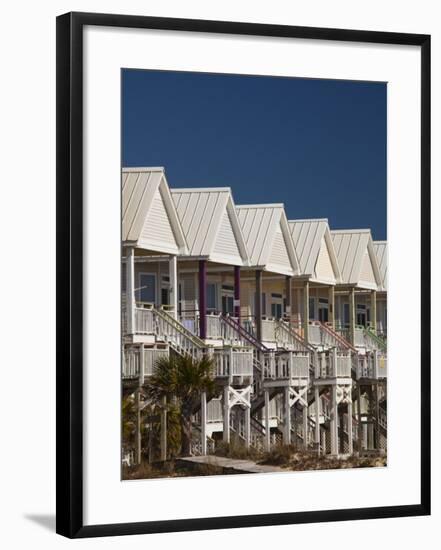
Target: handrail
347, 345
180, 328
244, 333
381, 344
281, 324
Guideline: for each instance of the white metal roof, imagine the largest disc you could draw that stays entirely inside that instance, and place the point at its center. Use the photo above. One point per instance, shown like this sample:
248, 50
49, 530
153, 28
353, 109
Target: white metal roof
266, 232
312, 242
356, 258
209, 221
149, 217
380, 248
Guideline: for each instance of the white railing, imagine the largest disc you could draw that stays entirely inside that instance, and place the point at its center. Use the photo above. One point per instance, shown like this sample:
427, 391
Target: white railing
214, 410
333, 364
372, 365
214, 327
180, 338
268, 330
130, 362
286, 365
233, 362
144, 320
150, 358
286, 337
315, 335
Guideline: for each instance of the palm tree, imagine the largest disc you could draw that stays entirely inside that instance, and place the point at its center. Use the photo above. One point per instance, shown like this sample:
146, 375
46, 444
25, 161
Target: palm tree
182, 379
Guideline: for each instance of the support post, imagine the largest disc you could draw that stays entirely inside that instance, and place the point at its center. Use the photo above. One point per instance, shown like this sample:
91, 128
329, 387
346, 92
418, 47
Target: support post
305, 427
203, 423
164, 429
138, 427
374, 311
352, 316
130, 290
360, 429
141, 365
331, 307
258, 304
203, 299
267, 421
334, 421
173, 274
287, 414
247, 413
317, 419
350, 441
226, 406
237, 292
306, 311
377, 418
288, 299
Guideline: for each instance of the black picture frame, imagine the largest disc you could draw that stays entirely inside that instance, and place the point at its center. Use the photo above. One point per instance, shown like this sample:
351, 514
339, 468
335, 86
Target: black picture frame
69, 224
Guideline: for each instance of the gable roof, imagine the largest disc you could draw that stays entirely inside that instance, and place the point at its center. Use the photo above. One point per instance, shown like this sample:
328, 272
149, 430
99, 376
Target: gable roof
266, 232
149, 217
209, 221
313, 245
380, 248
356, 258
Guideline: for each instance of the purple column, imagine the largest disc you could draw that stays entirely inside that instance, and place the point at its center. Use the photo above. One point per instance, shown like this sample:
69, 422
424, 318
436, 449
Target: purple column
237, 291
203, 299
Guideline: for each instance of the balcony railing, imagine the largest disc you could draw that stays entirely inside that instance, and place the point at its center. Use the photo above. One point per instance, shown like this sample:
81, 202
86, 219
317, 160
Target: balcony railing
372, 365
288, 366
132, 360
333, 365
233, 362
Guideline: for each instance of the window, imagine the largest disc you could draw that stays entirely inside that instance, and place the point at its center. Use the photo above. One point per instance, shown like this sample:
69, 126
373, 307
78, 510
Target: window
227, 304
346, 315
211, 297
147, 288
311, 309
323, 310
276, 310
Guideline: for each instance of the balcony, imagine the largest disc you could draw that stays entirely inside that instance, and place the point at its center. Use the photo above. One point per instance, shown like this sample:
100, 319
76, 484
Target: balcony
372, 366
333, 365
134, 355
233, 362
287, 366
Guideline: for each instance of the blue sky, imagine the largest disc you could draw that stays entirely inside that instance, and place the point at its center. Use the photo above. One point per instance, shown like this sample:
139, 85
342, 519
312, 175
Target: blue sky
318, 146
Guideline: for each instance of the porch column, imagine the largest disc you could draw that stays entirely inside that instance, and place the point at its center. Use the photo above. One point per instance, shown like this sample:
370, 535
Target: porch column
137, 427
247, 413
374, 310
267, 420
130, 290
334, 421
331, 308
288, 298
306, 311
203, 423
317, 419
203, 299
173, 274
258, 304
164, 429
360, 430
305, 427
352, 315
287, 414
350, 441
226, 407
237, 292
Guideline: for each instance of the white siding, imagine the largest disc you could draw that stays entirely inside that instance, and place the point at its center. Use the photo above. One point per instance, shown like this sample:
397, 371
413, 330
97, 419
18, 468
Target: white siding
323, 268
279, 253
157, 231
367, 273
226, 244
